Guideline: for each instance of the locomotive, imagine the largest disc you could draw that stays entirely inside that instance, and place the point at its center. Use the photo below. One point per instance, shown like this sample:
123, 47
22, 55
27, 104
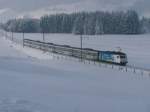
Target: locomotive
113, 57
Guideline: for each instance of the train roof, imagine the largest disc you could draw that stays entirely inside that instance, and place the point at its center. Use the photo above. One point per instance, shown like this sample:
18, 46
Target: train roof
112, 52
115, 52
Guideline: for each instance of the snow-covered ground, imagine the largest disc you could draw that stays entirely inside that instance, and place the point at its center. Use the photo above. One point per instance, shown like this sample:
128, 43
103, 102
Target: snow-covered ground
137, 47
29, 84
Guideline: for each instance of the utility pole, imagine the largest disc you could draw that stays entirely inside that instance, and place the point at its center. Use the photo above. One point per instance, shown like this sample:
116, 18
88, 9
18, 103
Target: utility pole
81, 40
12, 35
43, 36
23, 35
23, 38
5, 34
23, 30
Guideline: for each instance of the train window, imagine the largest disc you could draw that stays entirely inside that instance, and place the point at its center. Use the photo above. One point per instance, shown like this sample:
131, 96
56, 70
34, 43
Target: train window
117, 56
122, 56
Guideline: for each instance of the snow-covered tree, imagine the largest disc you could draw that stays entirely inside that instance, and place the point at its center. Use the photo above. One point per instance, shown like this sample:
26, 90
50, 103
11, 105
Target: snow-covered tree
81, 23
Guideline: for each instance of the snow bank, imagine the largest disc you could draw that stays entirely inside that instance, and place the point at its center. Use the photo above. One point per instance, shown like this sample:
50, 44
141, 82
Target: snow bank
31, 85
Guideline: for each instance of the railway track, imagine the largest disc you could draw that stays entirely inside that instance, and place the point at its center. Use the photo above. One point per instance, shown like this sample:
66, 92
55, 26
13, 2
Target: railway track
127, 68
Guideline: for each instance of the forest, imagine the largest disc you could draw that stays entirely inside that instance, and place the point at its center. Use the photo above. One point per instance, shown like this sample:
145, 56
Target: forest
86, 23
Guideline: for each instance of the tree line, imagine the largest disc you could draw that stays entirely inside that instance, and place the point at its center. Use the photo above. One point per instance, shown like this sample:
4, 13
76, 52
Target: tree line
145, 25
87, 23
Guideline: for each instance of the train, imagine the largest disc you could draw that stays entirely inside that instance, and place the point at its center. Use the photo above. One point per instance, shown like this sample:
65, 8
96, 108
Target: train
113, 57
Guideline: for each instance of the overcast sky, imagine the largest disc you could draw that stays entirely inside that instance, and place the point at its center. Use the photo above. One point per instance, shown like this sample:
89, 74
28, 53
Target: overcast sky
10, 8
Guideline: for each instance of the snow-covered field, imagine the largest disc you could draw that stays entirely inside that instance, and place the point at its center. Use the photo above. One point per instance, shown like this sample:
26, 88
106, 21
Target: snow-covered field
29, 84
137, 47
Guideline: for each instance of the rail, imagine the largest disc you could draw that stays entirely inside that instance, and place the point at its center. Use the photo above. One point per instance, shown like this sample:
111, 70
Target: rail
128, 68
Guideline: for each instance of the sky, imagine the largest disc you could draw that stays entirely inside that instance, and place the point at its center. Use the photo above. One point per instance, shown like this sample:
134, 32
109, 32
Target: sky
37, 8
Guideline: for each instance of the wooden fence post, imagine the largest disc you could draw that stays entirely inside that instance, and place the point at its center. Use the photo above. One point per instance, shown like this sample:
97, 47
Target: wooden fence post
23, 43
6, 34
12, 36
141, 72
105, 65
89, 62
100, 64
126, 69
134, 70
94, 62
84, 61
119, 68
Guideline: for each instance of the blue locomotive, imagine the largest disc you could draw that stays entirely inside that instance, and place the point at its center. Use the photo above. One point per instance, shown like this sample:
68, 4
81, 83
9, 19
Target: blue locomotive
113, 57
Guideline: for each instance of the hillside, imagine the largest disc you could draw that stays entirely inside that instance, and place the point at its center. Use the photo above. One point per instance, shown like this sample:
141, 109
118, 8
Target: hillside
29, 84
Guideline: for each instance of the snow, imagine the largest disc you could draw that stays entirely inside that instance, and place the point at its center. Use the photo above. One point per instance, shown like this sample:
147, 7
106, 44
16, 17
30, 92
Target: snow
47, 84
135, 46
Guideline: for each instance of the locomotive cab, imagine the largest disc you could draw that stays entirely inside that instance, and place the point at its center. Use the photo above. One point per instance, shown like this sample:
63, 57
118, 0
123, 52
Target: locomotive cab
123, 59
113, 57
120, 59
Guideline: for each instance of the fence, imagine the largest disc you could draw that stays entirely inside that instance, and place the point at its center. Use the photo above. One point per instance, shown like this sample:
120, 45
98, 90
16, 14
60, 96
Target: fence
130, 69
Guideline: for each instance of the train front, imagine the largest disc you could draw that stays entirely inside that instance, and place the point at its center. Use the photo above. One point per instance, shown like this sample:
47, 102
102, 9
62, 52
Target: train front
113, 57
123, 59
120, 58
